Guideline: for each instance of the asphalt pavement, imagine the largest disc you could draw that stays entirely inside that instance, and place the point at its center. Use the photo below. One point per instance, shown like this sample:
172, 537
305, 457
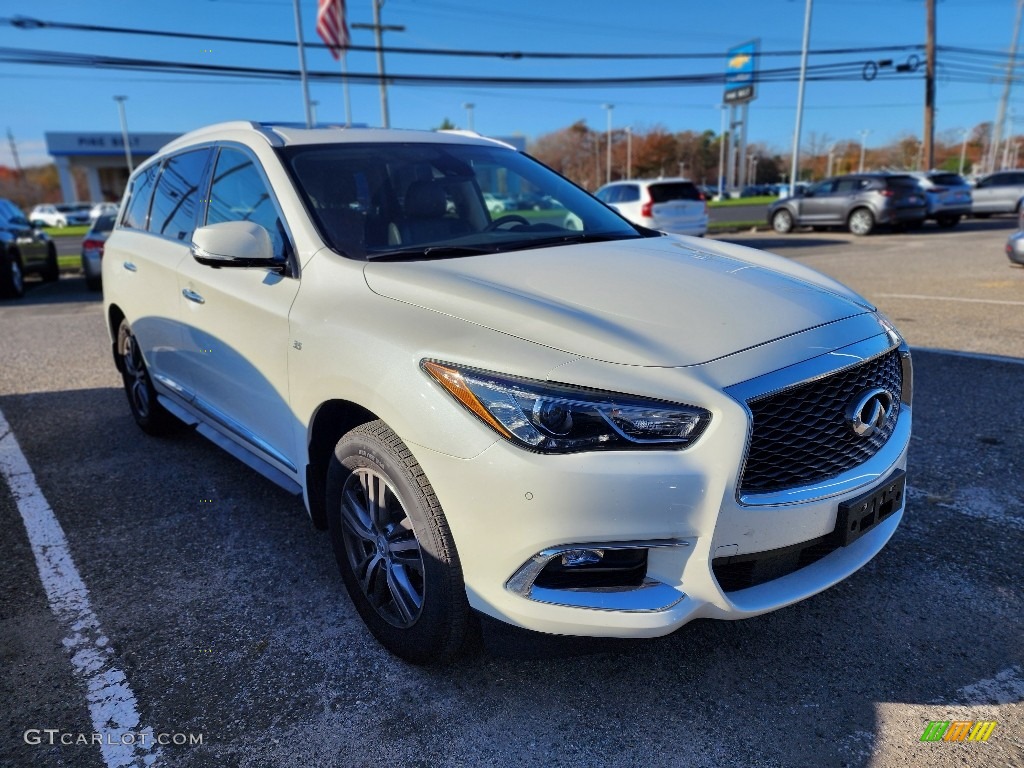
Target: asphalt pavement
222, 613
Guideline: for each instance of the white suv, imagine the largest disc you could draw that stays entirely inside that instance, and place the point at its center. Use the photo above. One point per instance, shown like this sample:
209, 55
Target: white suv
668, 205
604, 431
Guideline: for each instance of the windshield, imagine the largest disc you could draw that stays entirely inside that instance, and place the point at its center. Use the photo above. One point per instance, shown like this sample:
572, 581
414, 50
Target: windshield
435, 200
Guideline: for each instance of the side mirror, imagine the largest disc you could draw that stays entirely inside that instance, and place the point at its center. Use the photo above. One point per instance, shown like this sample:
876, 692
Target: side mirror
242, 244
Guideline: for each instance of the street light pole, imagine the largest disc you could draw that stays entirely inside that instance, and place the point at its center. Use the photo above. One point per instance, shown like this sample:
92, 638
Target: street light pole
468, 106
863, 138
608, 163
312, 110
124, 132
721, 154
629, 151
800, 97
963, 150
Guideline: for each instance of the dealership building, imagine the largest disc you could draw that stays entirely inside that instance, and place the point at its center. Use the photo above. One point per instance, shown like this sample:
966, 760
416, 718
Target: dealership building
103, 159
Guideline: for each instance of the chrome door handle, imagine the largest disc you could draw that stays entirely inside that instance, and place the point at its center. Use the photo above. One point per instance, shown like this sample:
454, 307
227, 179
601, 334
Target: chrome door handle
193, 296
130, 267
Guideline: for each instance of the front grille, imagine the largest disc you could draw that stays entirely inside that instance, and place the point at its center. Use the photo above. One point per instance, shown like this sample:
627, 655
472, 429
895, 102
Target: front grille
800, 435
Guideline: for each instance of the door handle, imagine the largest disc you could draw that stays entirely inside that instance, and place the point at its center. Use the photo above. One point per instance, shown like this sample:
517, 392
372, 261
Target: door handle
193, 296
130, 267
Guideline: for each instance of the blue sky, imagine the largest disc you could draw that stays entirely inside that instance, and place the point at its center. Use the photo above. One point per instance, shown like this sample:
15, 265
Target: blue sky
44, 98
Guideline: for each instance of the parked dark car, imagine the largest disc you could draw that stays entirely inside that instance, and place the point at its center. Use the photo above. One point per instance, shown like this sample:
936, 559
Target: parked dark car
23, 249
860, 202
92, 250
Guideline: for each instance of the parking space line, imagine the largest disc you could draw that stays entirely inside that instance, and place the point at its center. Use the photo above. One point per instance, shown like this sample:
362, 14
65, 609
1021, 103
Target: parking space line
112, 705
961, 299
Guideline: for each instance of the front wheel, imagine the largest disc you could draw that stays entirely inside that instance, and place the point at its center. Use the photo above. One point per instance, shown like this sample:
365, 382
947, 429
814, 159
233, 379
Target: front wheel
51, 271
861, 222
393, 547
151, 417
782, 221
12, 278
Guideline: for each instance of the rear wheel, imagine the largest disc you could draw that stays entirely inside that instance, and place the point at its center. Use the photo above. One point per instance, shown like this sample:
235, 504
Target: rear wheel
151, 417
51, 271
782, 221
861, 222
12, 277
393, 546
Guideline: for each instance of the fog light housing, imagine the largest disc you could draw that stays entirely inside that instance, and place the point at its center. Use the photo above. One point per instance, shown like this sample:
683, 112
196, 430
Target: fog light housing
574, 558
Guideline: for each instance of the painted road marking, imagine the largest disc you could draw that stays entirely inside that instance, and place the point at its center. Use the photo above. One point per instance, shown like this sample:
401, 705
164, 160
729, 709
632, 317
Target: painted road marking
949, 298
112, 704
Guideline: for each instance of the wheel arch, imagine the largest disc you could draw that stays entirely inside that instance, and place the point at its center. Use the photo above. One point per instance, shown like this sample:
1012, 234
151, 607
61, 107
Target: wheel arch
114, 318
331, 420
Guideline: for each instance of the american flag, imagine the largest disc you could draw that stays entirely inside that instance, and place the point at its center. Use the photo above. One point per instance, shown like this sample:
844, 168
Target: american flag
331, 26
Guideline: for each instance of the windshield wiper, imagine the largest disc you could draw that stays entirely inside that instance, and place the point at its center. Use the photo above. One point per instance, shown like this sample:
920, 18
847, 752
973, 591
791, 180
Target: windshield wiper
439, 251
579, 237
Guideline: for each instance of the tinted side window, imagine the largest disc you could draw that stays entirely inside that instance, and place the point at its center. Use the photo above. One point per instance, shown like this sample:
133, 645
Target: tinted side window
177, 195
136, 210
238, 193
849, 186
629, 193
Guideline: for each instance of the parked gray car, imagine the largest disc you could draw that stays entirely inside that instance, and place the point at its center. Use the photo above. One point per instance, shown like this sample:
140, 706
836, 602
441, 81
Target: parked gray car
1015, 245
859, 202
23, 249
948, 196
999, 192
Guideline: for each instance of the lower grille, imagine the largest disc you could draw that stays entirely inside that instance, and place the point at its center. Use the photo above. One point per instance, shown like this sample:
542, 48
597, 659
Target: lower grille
742, 571
800, 436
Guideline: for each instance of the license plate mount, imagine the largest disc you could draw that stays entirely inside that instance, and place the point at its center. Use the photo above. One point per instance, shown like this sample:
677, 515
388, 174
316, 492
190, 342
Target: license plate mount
858, 516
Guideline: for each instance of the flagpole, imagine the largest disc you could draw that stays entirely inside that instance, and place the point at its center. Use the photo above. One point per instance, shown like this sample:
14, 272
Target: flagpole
302, 65
344, 84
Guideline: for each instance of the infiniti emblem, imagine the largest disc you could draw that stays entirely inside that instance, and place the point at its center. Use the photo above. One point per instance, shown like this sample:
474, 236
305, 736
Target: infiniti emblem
869, 411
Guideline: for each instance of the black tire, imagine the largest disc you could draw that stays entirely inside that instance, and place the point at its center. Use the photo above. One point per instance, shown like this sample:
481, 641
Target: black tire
861, 222
12, 276
947, 221
94, 283
782, 221
51, 271
397, 559
152, 418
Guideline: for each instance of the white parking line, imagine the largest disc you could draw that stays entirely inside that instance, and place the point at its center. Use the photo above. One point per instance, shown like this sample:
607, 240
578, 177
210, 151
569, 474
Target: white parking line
112, 705
949, 298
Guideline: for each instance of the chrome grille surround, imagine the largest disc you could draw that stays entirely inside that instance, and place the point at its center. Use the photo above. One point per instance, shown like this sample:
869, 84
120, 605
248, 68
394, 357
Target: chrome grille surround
800, 447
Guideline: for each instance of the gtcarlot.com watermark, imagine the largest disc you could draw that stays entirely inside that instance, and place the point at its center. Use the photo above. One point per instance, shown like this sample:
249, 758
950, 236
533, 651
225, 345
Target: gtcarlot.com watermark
55, 736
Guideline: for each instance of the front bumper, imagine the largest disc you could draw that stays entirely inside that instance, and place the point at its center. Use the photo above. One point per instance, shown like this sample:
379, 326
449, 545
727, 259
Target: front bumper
511, 512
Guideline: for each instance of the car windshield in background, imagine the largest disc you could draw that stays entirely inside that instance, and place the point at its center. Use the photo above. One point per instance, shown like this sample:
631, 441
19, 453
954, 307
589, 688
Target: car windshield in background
436, 200
663, 193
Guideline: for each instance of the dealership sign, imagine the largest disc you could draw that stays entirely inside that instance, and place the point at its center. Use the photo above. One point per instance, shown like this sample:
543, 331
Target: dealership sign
740, 71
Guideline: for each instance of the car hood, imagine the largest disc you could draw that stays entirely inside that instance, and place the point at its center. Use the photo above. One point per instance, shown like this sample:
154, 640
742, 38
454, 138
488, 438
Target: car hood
665, 301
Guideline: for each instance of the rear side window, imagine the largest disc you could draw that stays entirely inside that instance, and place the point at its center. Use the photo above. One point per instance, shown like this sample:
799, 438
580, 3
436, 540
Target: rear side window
628, 193
947, 180
137, 208
176, 199
678, 190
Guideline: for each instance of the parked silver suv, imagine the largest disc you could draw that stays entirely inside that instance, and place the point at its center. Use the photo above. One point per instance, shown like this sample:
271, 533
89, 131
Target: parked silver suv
859, 202
948, 196
1000, 192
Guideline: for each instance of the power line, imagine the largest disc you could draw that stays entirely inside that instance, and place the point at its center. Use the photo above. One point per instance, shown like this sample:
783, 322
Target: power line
26, 23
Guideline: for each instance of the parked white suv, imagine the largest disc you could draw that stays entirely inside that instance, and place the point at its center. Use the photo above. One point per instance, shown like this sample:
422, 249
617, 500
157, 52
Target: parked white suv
604, 431
667, 205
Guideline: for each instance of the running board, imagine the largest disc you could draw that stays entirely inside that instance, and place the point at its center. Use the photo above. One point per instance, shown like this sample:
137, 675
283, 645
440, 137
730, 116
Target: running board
251, 460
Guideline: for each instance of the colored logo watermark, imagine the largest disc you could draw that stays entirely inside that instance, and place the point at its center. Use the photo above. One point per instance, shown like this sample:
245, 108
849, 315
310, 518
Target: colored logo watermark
958, 730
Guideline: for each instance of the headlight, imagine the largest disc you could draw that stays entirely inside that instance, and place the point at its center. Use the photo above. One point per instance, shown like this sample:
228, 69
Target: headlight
558, 418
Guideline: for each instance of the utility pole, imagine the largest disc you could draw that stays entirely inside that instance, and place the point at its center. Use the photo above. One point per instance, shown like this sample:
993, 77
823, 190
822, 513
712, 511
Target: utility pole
468, 106
929, 88
608, 140
963, 150
629, 151
795, 166
302, 69
14, 154
863, 138
379, 30
997, 129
